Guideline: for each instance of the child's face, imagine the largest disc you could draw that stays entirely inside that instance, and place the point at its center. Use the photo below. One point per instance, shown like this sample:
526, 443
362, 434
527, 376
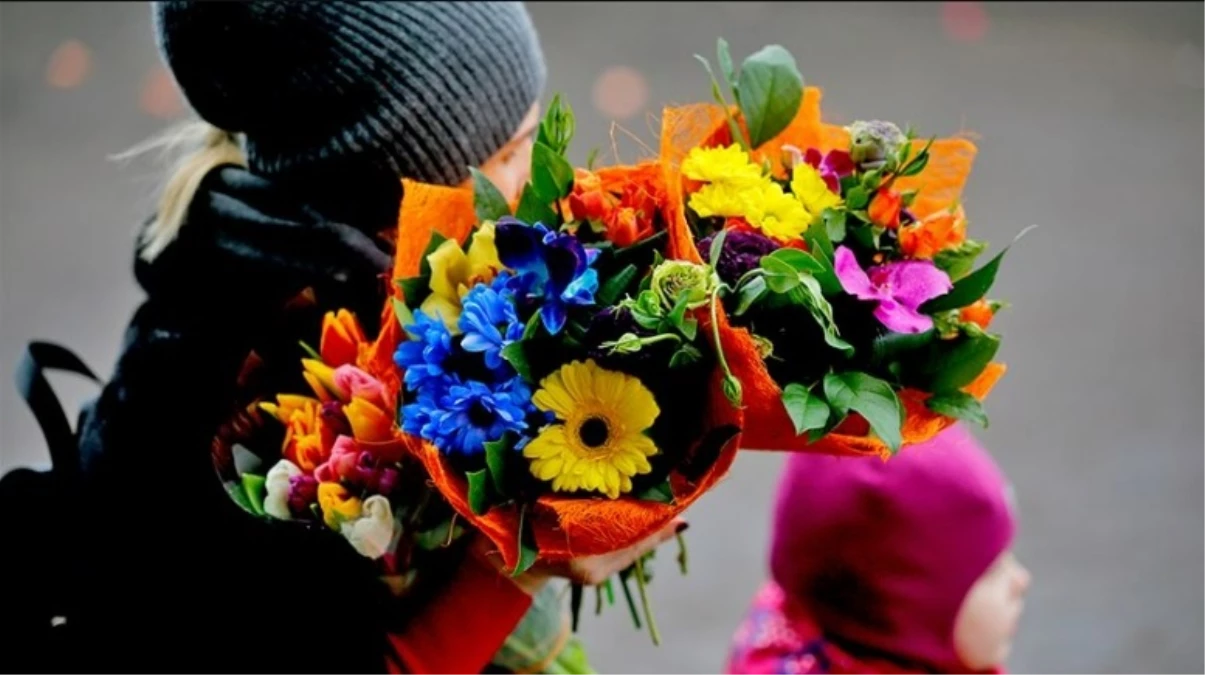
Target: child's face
510, 167
987, 621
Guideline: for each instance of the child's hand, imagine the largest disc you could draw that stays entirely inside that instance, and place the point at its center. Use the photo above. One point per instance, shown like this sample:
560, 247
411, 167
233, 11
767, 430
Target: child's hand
589, 571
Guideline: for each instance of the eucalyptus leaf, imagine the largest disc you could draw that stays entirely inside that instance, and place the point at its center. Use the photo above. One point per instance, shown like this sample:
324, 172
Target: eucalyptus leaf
958, 405
871, 398
806, 410
488, 201
479, 495
771, 91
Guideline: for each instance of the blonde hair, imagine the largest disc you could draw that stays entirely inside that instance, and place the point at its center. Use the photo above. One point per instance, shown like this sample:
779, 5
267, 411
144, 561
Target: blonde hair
199, 148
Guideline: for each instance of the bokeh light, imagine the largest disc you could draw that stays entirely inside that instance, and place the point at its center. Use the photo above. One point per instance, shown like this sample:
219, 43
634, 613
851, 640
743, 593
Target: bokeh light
69, 65
160, 98
964, 21
620, 92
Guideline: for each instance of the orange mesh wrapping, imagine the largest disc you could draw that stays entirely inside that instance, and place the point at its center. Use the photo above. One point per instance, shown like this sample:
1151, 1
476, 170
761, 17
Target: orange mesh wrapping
564, 527
768, 427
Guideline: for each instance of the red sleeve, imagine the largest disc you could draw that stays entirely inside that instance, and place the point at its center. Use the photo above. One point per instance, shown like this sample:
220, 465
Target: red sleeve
461, 629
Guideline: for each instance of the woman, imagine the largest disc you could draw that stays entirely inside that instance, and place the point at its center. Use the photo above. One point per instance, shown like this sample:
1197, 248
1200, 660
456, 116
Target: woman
313, 113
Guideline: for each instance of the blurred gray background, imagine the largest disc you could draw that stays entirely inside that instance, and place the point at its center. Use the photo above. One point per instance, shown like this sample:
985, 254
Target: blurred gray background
1090, 124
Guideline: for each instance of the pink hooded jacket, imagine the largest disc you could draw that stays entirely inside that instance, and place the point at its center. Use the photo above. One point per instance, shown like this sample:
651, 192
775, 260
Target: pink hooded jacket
870, 560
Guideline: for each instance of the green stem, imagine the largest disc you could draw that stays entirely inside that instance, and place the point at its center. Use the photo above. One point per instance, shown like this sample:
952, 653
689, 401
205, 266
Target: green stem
627, 594
682, 554
610, 589
732, 386
598, 600
643, 342
747, 276
644, 601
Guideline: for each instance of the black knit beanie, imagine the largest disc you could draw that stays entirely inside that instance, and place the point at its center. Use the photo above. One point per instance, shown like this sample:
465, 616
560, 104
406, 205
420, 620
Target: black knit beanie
423, 89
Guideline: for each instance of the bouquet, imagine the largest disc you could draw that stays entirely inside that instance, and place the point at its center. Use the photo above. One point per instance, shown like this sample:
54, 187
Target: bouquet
853, 314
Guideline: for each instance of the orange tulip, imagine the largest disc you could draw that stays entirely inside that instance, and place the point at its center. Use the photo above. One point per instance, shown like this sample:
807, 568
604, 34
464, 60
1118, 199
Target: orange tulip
941, 230
342, 337
980, 313
308, 437
885, 208
368, 422
337, 504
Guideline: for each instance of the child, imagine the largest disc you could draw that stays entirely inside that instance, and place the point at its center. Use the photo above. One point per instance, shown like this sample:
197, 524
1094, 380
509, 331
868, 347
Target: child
888, 567
313, 113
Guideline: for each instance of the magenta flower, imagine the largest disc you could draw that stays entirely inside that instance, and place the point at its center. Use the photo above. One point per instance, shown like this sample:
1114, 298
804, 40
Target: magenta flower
832, 167
899, 288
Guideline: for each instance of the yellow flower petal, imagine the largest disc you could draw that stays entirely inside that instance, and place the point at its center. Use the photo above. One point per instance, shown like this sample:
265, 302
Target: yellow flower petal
447, 310
449, 269
483, 259
728, 164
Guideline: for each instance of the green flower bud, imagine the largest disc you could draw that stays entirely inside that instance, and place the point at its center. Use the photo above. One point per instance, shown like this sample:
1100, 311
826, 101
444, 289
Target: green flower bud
872, 143
672, 277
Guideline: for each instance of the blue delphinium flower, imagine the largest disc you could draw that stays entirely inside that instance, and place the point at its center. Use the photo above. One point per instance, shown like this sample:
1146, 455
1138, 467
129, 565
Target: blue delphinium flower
555, 267
471, 414
489, 320
423, 356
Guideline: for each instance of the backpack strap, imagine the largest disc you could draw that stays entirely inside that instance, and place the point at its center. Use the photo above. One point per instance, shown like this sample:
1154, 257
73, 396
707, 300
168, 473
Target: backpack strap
35, 389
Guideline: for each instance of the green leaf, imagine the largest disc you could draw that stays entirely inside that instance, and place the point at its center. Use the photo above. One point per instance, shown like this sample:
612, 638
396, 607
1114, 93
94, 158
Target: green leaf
516, 355
959, 405
871, 398
535, 209
433, 244
613, 289
780, 276
658, 492
528, 552
717, 247
917, 165
749, 294
725, 59
835, 419
496, 453
310, 351
239, 495
255, 487
973, 286
686, 355
402, 313
415, 290
771, 91
951, 365
857, 198
957, 262
798, 260
678, 314
551, 173
591, 159
488, 201
810, 294
834, 226
479, 491
891, 346
806, 410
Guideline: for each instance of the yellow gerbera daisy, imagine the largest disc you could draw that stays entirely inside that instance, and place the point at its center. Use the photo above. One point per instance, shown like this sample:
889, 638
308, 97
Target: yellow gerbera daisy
729, 165
811, 191
600, 444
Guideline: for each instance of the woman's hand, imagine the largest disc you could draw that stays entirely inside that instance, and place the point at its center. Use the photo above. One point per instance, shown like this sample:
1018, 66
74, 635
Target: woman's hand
588, 571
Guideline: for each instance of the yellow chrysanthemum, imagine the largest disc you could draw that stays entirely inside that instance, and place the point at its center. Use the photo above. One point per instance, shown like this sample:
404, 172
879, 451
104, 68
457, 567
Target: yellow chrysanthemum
720, 199
776, 213
811, 191
729, 165
600, 444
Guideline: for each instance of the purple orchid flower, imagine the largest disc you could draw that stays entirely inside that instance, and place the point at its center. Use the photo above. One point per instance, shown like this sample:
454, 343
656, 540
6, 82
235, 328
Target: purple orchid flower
899, 288
552, 267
